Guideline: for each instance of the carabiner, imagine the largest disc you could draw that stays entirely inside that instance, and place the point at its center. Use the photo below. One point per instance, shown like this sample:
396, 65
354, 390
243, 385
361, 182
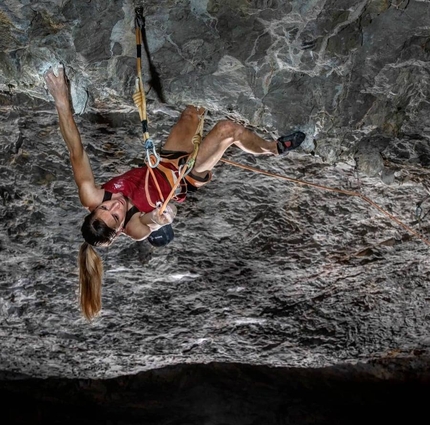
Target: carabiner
149, 146
190, 165
418, 211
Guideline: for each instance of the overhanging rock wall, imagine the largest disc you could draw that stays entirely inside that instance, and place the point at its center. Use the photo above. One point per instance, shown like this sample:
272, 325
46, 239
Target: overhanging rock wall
261, 271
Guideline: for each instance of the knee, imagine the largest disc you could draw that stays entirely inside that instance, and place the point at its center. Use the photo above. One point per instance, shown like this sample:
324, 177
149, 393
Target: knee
228, 130
190, 113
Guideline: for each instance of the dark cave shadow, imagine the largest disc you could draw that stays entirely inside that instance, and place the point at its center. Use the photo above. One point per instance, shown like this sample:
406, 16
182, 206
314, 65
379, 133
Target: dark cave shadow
228, 394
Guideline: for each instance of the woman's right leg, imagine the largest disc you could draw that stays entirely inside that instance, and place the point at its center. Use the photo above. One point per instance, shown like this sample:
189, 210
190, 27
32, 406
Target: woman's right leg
224, 134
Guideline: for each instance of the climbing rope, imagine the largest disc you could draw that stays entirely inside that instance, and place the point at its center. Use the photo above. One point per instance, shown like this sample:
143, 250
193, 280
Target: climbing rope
139, 97
332, 189
187, 167
152, 159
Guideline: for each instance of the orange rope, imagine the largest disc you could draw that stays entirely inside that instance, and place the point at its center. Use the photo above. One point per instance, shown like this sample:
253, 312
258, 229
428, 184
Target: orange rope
172, 192
147, 192
332, 189
140, 102
196, 140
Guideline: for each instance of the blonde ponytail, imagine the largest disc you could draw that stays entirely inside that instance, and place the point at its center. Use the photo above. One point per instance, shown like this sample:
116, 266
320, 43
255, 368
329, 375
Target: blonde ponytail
90, 281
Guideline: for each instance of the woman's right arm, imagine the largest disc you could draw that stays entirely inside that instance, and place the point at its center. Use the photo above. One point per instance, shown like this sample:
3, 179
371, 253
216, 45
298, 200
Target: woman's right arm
89, 194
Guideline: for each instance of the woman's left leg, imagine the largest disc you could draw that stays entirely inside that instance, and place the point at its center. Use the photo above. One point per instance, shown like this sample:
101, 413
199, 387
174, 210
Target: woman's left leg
182, 133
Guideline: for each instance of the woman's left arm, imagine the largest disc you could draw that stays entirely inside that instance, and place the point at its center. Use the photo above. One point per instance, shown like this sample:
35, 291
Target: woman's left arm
141, 225
89, 194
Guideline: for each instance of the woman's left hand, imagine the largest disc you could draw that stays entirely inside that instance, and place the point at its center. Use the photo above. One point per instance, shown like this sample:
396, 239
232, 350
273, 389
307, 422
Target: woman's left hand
166, 217
58, 86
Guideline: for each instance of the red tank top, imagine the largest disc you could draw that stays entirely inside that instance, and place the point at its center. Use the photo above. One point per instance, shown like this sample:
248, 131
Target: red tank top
132, 185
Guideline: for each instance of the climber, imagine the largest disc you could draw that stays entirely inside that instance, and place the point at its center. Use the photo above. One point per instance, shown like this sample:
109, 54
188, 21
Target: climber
127, 204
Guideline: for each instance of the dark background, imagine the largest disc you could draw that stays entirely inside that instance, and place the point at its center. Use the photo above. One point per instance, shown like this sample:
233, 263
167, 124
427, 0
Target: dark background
226, 394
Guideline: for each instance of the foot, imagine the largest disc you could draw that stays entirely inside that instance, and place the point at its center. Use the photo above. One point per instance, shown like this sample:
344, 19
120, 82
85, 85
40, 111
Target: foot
290, 142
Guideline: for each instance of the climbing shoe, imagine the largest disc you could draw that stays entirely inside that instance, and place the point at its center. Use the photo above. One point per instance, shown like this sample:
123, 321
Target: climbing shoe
290, 142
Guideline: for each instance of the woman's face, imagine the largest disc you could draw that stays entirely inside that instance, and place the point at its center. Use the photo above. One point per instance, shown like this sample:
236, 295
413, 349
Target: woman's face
112, 212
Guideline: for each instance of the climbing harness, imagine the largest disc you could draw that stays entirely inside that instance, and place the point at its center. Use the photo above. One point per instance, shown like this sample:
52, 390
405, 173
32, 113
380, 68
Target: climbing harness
152, 158
188, 166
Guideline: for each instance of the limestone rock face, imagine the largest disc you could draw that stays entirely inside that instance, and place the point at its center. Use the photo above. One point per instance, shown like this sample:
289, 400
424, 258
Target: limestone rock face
262, 271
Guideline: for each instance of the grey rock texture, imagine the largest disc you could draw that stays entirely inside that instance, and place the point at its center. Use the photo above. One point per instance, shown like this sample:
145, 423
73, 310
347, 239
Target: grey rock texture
261, 271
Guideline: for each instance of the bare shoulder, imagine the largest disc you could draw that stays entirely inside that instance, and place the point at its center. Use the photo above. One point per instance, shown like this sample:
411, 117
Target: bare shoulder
136, 229
90, 195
